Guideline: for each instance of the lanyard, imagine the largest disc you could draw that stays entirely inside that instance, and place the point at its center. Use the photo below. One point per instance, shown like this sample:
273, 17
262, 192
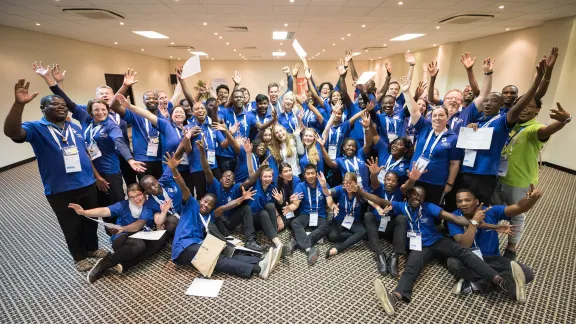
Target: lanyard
337, 135
178, 131
307, 116
351, 210
453, 122
310, 198
510, 140
115, 118
254, 162
288, 119
388, 166
243, 123
210, 135
433, 144
160, 202
354, 166
148, 124
205, 222
389, 198
54, 130
490, 121
93, 131
388, 124
410, 216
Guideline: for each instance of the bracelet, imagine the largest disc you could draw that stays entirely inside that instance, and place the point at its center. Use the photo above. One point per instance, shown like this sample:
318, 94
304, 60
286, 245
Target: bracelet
546, 80
450, 184
489, 73
176, 177
412, 64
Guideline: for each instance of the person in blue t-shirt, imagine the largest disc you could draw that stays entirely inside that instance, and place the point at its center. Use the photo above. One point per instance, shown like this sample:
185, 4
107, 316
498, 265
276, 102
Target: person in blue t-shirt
312, 150
315, 198
128, 251
284, 195
261, 115
394, 157
390, 125
484, 242
64, 166
427, 244
346, 226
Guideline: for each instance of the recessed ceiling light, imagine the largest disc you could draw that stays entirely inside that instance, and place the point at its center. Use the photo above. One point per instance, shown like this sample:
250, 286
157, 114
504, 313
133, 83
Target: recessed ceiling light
400, 3
501, 7
115, 43
279, 35
379, 57
234, 50
434, 45
317, 54
291, 0
199, 53
384, 44
437, 27
407, 50
227, 43
342, 38
348, 35
171, 43
205, 24
37, 24
170, 56
215, 33
178, 59
279, 53
285, 25
406, 37
121, 23
366, 51
507, 28
220, 37
239, 54
363, 26
356, 53
279, 50
212, 59
281, 44
142, 49
333, 44
323, 50
150, 34
370, 59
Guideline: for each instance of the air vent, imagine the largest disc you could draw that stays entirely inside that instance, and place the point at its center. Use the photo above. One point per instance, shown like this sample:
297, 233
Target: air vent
92, 13
375, 48
182, 47
250, 48
465, 19
236, 29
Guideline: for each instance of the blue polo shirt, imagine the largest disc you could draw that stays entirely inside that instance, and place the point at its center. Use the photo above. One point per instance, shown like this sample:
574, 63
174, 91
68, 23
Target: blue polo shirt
399, 104
170, 138
241, 171
288, 120
107, 132
336, 136
121, 210
487, 161
357, 130
400, 166
260, 119
486, 239
310, 120
444, 152
140, 136
349, 164
247, 122
389, 124
167, 182
463, 117
315, 202
224, 196
421, 220
319, 164
381, 192
51, 158
190, 229
212, 141
345, 204
262, 196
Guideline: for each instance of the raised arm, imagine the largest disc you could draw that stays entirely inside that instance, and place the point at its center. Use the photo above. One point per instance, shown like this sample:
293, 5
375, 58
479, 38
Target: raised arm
412, 105
386, 84
453, 218
137, 110
468, 63
467, 239
525, 204
204, 162
184, 87
561, 118
329, 162
315, 96
94, 212
409, 58
488, 67
229, 137
246, 195
374, 172
368, 138
373, 198
523, 102
13, 122
433, 70
129, 80
173, 163
550, 61
342, 70
350, 64
272, 121
236, 78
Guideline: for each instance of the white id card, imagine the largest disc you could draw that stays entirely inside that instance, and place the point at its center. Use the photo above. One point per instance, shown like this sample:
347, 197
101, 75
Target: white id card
313, 219
382, 175
392, 137
469, 158
503, 166
416, 242
478, 253
332, 149
359, 180
383, 223
211, 156
71, 159
94, 151
152, 149
348, 221
184, 159
290, 215
422, 163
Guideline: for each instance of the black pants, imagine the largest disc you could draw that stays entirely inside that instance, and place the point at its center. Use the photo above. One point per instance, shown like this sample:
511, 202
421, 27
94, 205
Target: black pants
498, 263
170, 224
266, 219
440, 250
152, 168
395, 231
198, 180
79, 232
346, 237
434, 193
241, 214
299, 225
238, 265
128, 173
333, 177
482, 186
129, 251
226, 163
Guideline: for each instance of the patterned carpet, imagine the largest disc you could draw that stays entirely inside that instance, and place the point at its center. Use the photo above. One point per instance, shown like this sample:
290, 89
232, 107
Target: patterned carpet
38, 282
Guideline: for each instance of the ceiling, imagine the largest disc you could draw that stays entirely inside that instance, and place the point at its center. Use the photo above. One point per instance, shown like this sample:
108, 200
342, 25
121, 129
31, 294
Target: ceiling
324, 27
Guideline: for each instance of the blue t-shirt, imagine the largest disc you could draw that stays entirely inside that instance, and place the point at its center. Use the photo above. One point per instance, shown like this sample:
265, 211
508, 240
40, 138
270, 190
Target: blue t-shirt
190, 229
485, 239
345, 204
315, 201
170, 138
357, 131
241, 171
212, 141
103, 135
167, 183
262, 120
444, 152
319, 164
142, 133
487, 161
48, 151
247, 122
336, 136
224, 196
399, 105
463, 117
385, 159
310, 120
288, 120
356, 164
262, 196
420, 220
381, 192
389, 125
121, 210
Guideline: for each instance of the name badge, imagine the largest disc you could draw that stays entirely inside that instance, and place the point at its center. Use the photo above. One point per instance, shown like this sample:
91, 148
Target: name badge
359, 180
211, 156
503, 166
71, 159
411, 138
348, 221
155, 140
422, 163
416, 242
392, 137
469, 158
290, 215
184, 159
94, 151
152, 149
478, 253
383, 223
382, 175
313, 219
332, 149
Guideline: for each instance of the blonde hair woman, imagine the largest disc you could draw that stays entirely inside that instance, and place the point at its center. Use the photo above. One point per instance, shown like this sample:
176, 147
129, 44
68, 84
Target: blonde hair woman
288, 116
312, 150
287, 147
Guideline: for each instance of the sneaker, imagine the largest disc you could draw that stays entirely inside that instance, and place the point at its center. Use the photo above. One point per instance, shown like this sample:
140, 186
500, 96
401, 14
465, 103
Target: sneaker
97, 270
519, 281
98, 254
266, 264
83, 265
462, 287
276, 257
387, 299
253, 245
312, 255
118, 268
509, 254
287, 250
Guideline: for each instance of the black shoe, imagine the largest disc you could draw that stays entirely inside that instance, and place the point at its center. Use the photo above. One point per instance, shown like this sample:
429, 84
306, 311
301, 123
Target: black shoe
312, 255
509, 254
387, 299
393, 266
462, 287
253, 245
382, 264
97, 270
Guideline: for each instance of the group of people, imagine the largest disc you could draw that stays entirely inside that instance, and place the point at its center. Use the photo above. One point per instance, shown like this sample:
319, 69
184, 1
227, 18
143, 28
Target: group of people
381, 163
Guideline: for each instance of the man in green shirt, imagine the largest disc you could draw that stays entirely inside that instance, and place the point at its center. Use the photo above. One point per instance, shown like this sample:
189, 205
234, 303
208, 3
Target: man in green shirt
518, 170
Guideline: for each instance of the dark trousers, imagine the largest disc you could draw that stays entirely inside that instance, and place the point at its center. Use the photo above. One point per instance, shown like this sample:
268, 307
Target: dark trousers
498, 263
266, 219
440, 250
198, 182
434, 193
152, 168
79, 232
170, 224
482, 186
241, 214
395, 231
226, 163
113, 195
128, 174
299, 225
333, 177
346, 237
129, 251
238, 265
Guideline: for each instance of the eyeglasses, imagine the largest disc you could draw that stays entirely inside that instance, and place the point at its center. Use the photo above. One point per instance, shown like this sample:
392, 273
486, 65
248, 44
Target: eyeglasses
453, 98
138, 195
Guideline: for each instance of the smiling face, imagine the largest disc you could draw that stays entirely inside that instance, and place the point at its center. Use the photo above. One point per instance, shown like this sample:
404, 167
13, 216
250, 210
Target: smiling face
439, 119
529, 112
309, 137
238, 99
350, 148
280, 133
310, 176
199, 111
262, 108
288, 102
207, 203
325, 91
492, 104
151, 100
99, 112
260, 149
222, 95
246, 96
273, 94
336, 96
453, 101
163, 98
178, 115
388, 105
393, 89
422, 106
509, 95
286, 173
227, 179
55, 109
390, 182
137, 197
468, 94
267, 136
466, 202
361, 102
416, 197
152, 186
105, 94
267, 177
397, 148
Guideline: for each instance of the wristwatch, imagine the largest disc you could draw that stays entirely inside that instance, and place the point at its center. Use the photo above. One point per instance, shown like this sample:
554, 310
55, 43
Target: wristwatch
473, 222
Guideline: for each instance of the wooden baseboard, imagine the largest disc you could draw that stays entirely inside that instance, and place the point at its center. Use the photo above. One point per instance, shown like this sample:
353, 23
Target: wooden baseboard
558, 167
17, 164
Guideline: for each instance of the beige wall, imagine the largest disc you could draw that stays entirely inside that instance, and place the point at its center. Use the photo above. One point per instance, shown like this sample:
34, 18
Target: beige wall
86, 65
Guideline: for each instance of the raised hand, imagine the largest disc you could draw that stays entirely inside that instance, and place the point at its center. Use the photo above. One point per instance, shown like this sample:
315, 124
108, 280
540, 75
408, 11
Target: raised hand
321, 178
195, 131
77, 208
480, 214
123, 101
348, 56
415, 173
404, 84
219, 126
42, 71
282, 82
248, 194
179, 73
57, 74
488, 65
409, 58
365, 120
420, 89
425, 66
171, 160
551, 59
236, 78
295, 69
165, 206
388, 67
341, 68
560, 115
338, 106
308, 73
277, 195
200, 145
137, 165
373, 166
234, 128
534, 193
247, 146
286, 69
467, 60
371, 105
164, 111
320, 140
540, 68
433, 69
130, 78
286, 209
21, 95
296, 196
265, 162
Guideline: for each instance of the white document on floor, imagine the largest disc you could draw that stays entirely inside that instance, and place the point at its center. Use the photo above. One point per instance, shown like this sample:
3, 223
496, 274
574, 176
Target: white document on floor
204, 287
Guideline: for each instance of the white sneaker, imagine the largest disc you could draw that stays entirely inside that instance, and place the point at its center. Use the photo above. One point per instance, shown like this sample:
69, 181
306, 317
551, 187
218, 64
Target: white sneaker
276, 257
520, 281
266, 264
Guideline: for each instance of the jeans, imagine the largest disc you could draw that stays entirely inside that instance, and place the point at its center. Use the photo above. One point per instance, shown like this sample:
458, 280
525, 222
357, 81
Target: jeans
346, 237
508, 195
395, 230
299, 225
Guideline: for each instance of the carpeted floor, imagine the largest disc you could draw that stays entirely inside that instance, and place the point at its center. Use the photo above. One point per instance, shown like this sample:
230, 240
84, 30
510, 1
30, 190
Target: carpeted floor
38, 282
